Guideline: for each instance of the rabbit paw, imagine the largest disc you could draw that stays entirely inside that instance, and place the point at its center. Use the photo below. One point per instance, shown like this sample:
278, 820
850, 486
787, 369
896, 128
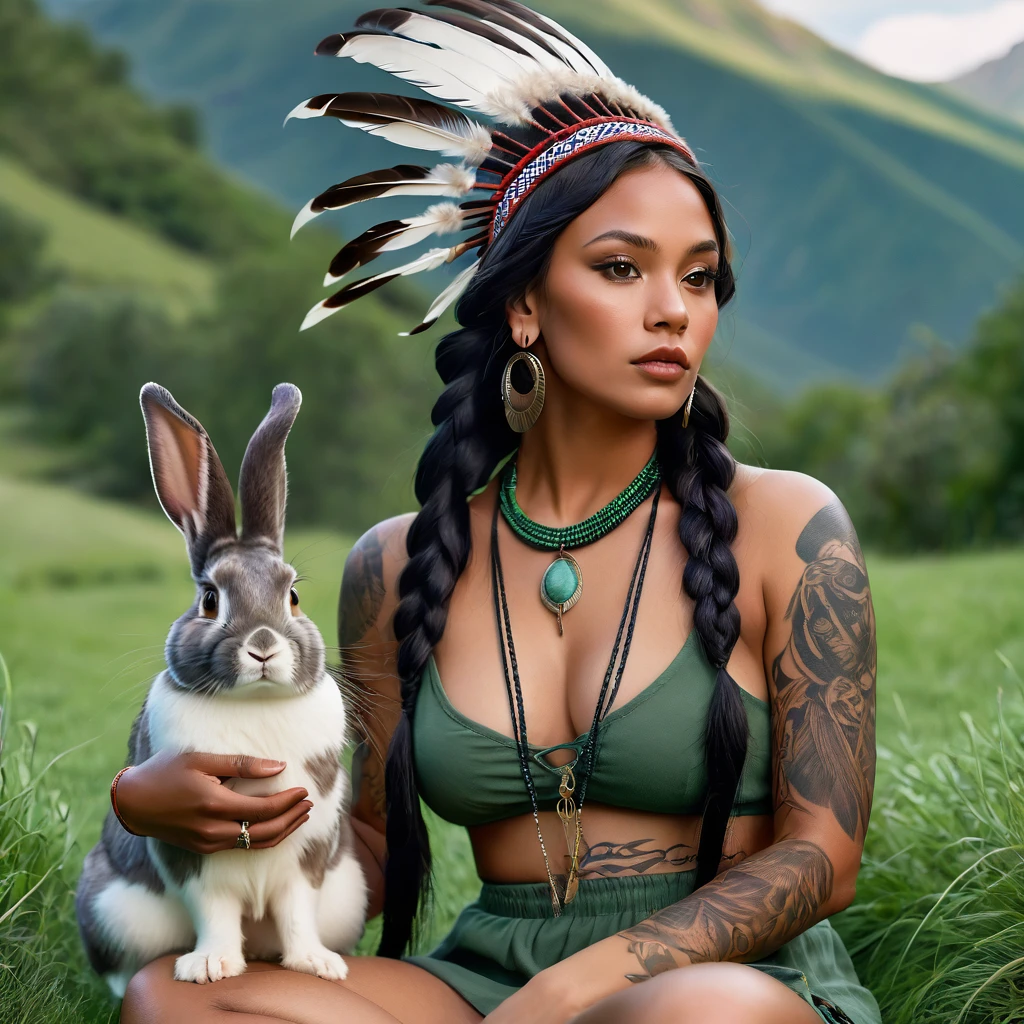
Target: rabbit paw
203, 967
321, 962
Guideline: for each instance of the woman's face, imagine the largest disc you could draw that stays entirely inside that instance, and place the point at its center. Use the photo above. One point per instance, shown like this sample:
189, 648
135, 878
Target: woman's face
627, 308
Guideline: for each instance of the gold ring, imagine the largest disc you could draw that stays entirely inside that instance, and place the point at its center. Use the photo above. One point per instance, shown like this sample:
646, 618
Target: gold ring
242, 842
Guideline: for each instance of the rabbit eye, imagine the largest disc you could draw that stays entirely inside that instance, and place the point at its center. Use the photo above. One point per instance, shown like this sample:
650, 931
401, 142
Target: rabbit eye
294, 599
209, 603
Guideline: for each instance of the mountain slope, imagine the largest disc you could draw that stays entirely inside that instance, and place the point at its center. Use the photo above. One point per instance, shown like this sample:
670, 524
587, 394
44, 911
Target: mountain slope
863, 207
97, 247
997, 84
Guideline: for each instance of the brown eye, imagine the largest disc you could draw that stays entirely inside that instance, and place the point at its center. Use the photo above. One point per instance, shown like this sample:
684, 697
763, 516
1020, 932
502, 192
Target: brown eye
295, 601
209, 603
621, 269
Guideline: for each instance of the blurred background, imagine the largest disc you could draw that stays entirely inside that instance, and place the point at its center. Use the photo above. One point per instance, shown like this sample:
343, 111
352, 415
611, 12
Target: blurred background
870, 154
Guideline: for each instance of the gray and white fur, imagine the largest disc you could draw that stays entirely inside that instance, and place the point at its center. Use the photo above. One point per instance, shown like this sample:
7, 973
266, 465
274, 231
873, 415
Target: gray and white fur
245, 675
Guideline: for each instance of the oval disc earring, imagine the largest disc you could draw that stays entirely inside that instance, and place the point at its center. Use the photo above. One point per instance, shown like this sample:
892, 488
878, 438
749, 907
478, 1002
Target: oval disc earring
523, 410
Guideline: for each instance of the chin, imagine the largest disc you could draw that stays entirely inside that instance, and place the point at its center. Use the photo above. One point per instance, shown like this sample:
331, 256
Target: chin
659, 406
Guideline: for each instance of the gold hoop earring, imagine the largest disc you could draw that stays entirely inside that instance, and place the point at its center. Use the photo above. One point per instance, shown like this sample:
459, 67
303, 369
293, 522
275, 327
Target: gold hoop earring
523, 410
687, 407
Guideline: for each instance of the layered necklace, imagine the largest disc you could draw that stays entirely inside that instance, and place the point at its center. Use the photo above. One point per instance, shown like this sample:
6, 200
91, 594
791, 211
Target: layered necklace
561, 586
569, 808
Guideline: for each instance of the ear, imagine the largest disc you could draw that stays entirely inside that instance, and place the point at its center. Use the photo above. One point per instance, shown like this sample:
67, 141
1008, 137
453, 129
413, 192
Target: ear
523, 320
187, 473
262, 485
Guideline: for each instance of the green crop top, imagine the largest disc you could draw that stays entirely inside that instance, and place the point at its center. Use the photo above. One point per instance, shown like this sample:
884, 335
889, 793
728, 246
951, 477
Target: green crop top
651, 756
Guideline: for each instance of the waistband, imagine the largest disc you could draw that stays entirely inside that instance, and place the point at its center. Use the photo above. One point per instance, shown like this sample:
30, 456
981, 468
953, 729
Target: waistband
595, 897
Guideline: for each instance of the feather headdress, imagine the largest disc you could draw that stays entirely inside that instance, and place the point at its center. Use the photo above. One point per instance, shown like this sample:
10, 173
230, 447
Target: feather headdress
498, 59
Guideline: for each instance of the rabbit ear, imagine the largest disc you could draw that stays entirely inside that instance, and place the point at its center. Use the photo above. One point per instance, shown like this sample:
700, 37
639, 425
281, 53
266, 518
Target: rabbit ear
187, 473
262, 484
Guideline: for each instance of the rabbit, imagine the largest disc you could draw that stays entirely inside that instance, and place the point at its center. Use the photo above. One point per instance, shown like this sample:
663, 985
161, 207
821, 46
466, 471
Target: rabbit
245, 674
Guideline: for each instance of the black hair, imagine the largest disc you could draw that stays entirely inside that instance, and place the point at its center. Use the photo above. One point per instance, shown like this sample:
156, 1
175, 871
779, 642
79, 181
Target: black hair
472, 437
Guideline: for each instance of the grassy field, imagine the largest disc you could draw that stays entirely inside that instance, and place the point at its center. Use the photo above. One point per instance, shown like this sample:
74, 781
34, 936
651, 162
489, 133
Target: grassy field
88, 589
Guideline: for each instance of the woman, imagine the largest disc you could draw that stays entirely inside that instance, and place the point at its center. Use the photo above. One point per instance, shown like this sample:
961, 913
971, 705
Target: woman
689, 640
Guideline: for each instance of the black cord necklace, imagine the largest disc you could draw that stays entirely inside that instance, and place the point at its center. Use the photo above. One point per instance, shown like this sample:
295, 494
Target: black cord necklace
569, 811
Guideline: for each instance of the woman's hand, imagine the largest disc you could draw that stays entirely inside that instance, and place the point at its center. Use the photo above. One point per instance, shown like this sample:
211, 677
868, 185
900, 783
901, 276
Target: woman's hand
181, 799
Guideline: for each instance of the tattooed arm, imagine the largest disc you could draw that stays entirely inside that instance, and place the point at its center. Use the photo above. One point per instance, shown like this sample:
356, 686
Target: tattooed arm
819, 660
368, 661
820, 664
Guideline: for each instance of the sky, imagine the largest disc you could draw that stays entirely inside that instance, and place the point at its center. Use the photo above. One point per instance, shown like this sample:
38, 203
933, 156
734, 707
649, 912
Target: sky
924, 40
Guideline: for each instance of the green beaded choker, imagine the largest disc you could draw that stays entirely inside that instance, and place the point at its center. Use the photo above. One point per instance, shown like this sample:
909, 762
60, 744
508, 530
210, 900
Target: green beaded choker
593, 528
561, 586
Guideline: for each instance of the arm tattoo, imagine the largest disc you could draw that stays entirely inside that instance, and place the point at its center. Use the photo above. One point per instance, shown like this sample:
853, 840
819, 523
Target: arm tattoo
823, 745
823, 721
367, 770
743, 914
362, 590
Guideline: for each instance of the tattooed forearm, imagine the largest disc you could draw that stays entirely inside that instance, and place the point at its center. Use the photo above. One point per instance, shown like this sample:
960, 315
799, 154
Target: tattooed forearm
823, 720
362, 591
743, 914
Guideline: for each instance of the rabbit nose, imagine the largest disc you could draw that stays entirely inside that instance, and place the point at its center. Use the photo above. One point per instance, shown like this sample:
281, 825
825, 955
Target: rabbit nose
264, 642
262, 639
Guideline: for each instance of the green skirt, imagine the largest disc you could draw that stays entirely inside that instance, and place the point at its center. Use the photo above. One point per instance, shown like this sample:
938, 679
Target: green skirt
508, 935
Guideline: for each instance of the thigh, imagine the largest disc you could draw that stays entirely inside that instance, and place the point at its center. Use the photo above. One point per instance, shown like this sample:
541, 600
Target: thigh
376, 991
703, 994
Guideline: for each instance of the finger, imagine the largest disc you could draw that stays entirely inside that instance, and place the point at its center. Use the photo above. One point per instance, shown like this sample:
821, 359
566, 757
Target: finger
215, 835
273, 842
239, 807
240, 766
273, 829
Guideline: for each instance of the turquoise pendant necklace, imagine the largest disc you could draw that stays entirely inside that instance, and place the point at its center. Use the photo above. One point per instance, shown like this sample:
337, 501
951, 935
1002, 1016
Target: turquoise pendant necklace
561, 586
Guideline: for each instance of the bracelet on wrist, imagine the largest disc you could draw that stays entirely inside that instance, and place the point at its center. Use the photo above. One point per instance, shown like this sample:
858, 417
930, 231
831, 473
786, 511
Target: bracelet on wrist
113, 800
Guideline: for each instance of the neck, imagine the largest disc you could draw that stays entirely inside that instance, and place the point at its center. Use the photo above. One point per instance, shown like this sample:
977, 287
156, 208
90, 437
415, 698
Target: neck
578, 458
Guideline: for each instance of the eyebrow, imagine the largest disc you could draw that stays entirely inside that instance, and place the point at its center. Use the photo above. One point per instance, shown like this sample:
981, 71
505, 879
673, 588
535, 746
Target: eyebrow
643, 242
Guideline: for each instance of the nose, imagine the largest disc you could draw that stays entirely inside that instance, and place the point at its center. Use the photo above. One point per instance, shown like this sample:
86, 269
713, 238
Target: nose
668, 309
262, 646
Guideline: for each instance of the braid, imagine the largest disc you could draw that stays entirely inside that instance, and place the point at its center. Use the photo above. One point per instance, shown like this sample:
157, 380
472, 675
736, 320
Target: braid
470, 438
699, 469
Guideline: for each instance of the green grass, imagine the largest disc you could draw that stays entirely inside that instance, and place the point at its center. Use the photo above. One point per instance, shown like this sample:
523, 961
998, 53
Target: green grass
43, 975
938, 925
97, 247
88, 589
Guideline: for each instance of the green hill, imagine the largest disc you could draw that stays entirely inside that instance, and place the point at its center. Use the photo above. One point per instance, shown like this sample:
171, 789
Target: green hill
98, 247
863, 206
137, 223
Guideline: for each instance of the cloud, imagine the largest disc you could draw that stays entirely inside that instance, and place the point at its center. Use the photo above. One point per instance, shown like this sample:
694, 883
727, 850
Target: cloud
932, 47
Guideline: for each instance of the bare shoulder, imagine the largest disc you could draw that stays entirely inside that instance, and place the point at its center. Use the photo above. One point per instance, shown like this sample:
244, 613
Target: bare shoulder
784, 512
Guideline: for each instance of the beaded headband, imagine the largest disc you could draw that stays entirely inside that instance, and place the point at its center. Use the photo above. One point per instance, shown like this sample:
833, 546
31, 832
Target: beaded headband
500, 59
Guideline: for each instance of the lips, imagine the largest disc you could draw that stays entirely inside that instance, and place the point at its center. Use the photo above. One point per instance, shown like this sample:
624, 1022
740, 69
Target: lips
666, 354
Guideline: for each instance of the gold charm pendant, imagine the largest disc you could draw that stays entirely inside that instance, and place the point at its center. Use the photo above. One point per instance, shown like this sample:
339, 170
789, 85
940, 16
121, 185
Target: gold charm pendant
569, 815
